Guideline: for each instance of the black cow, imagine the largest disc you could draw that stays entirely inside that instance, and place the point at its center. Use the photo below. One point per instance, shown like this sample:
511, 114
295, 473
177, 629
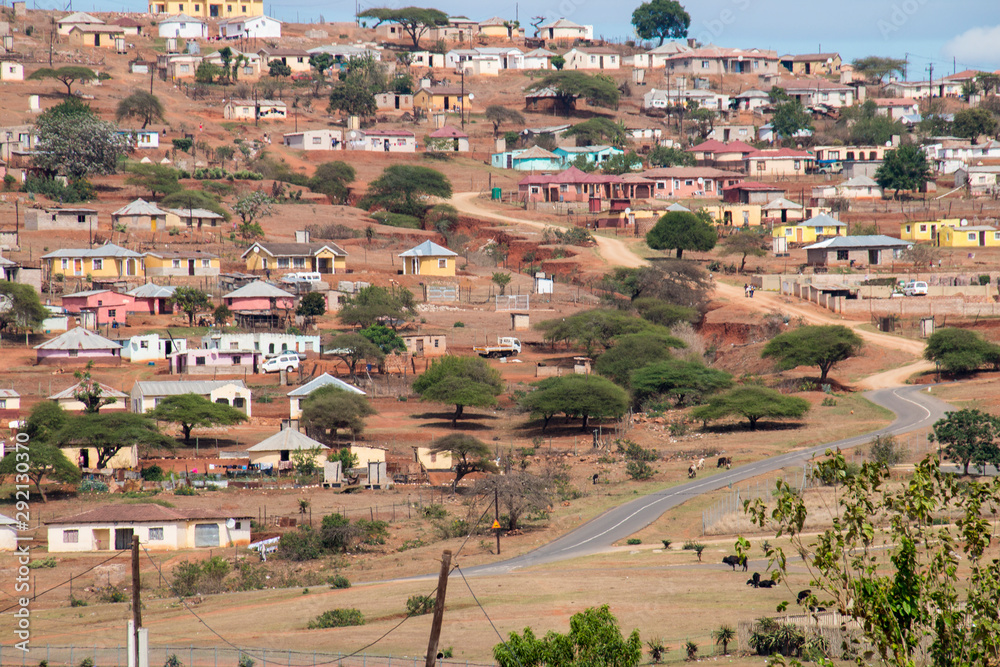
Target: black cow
756, 580
766, 583
803, 595
733, 561
724, 462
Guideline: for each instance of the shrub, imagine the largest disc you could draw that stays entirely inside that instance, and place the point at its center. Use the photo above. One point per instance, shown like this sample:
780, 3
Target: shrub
691, 649
459, 325
667, 543
885, 450
433, 511
634, 452
337, 618
656, 650
246, 661
397, 219
418, 605
339, 581
153, 473
301, 545
633, 540
43, 564
173, 661
454, 528
639, 471
76, 602
185, 491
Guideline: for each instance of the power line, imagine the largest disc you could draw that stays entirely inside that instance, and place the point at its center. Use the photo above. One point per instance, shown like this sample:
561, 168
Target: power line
492, 625
49, 590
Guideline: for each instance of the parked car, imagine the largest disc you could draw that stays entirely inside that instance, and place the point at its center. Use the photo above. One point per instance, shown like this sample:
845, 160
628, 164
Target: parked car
301, 277
915, 288
286, 361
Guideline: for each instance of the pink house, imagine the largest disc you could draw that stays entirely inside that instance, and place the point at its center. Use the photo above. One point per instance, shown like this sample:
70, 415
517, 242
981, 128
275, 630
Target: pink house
258, 296
106, 306
152, 299
79, 345
215, 362
691, 182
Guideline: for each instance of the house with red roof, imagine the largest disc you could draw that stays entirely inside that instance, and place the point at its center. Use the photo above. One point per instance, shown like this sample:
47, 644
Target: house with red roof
571, 185
448, 139
713, 153
691, 182
778, 162
752, 192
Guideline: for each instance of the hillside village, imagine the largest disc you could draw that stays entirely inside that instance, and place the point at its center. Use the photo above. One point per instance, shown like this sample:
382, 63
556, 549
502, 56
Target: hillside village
295, 306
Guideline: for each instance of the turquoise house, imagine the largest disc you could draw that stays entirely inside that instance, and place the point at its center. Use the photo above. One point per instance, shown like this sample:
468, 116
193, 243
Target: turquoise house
593, 154
527, 159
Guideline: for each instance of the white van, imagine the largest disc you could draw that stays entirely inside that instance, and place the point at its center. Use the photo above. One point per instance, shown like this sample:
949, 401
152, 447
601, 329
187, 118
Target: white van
301, 277
286, 361
915, 288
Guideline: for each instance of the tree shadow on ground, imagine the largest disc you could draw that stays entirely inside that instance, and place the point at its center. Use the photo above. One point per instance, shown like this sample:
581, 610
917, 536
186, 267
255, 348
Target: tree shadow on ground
448, 415
744, 427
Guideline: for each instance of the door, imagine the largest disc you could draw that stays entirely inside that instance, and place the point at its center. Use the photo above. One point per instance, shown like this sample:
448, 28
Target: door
84, 458
97, 39
168, 347
798, 235
982, 238
190, 267
873, 257
152, 224
77, 267
123, 538
206, 535
420, 346
415, 269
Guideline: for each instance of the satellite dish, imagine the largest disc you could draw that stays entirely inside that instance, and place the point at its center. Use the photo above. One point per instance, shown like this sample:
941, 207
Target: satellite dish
230, 523
888, 144
701, 181
964, 222
472, 96
628, 211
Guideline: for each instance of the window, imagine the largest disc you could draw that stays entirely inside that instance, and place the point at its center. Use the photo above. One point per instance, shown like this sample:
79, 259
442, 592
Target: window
996, 236
760, 165
3, 403
144, 344
797, 165
199, 361
907, 229
689, 182
923, 228
824, 96
317, 141
65, 263
74, 353
197, 8
563, 187
98, 264
180, 8
704, 64
972, 236
239, 402
239, 524
299, 262
81, 218
185, 68
156, 534
282, 262
442, 264
237, 359
789, 231
112, 313
71, 536
244, 11
436, 341
176, 263
842, 255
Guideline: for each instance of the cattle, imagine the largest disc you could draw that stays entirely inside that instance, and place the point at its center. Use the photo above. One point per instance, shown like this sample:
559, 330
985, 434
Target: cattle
733, 561
756, 579
692, 472
803, 595
701, 463
725, 461
751, 582
766, 583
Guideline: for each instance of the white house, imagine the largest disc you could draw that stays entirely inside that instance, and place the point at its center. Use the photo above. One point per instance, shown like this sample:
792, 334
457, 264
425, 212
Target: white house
11, 71
141, 349
67, 23
315, 140
250, 109
592, 57
182, 25
387, 141
111, 528
658, 56
257, 27
276, 450
564, 30
262, 341
538, 59
146, 395
142, 139
299, 394
8, 533
67, 398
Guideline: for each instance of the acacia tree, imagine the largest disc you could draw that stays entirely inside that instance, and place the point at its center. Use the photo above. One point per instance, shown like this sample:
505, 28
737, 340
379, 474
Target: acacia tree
66, 75
373, 303
822, 346
680, 231
468, 455
753, 403
111, 432
969, 437
684, 381
191, 301
918, 591
89, 391
311, 306
415, 21
582, 396
499, 114
745, 243
191, 410
402, 188
518, 493
876, 68
142, 106
633, 351
22, 309
328, 410
461, 381
959, 350
661, 19
598, 89
352, 348
43, 458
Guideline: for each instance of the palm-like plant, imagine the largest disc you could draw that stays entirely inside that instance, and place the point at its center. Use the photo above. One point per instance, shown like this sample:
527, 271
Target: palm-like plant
691, 649
724, 635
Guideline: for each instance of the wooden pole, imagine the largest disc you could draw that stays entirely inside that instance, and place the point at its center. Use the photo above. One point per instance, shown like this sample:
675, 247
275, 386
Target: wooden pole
432, 643
496, 514
136, 606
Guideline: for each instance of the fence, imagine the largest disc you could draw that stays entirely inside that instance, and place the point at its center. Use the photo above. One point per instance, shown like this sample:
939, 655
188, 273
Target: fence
732, 502
833, 627
195, 656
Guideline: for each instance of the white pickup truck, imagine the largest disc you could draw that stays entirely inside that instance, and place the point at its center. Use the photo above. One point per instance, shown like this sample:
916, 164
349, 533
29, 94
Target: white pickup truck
506, 346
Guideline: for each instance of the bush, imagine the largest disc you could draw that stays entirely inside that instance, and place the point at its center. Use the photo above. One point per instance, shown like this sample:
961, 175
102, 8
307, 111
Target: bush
185, 491
667, 543
153, 473
570, 236
76, 602
885, 450
633, 540
418, 605
92, 486
334, 231
246, 661
433, 511
634, 452
173, 661
639, 470
458, 325
339, 581
691, 649
111, 594
300, 545
75, 191
337, 618
43, 564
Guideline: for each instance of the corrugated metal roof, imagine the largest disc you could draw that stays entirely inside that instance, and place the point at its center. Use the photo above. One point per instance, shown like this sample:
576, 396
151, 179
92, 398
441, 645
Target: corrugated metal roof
8, 393
86, 293
6, 520
178, 387
140, 207
286, 439
146, 513
782, 204
873, 241
79, 339
428, 249
69, 391
152, 291
194, 213
258, 289
106, 250
822, 220
324, 380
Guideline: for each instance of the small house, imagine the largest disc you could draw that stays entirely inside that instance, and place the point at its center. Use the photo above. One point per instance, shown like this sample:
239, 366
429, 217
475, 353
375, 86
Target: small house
314, 140
103, 36
142, 139
152, 299
174, 66
130, 27
448, 139
8, 533
89, 458
258, 296
147, 395
752, 100
299, 394
194, 218
10, 403
144, 348
112, 528
102, 305
267, 342
856, 251
926, 230
778, 162
11, 71
67, 23
296, 59
183, 26
426, 345
500, 28
181, 263
538, 59
275, 450
429, 99
386, 141
394, 102
691, 182
141, 216
68, 401
530, 159
214, 362
811, 230
659, 55
214, 10
969, 236
78, 346
429, 259
812, 63
62, 219
324, 258
597, 155
601, 58
564, 30
432, 461
252, 27
251, 109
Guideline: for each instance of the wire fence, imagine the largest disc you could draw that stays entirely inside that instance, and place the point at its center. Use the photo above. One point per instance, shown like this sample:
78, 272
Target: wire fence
200, 656
731, 504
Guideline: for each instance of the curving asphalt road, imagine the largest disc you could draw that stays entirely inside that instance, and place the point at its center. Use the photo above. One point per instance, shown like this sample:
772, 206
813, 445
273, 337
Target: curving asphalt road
913, 407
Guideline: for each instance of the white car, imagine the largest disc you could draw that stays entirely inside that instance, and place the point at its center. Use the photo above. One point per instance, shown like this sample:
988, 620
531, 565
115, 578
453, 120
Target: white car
286, 361
915, 288
301, 277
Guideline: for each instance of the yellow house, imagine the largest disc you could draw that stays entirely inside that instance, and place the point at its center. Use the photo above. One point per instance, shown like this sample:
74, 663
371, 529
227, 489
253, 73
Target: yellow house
428, 259
735, 215
108, 261
970, 236
279, 448
181, 263
811, 230
925, 231
440, 98
367, 455
201, 9
280, 257
433, 461
87, 457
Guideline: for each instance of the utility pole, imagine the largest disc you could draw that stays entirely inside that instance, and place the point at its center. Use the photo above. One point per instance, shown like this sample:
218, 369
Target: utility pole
930, 84
136, 606
496, 515
462, 107
432, 643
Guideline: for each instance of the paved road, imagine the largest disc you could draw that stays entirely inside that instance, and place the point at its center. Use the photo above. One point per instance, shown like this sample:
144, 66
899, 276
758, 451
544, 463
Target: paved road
914, 409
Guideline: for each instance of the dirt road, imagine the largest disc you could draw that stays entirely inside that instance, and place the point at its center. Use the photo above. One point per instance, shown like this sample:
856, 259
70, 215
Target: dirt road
613, 251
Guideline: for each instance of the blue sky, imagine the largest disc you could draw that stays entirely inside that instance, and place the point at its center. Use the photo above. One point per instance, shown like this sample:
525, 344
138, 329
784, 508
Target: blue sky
932, 31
